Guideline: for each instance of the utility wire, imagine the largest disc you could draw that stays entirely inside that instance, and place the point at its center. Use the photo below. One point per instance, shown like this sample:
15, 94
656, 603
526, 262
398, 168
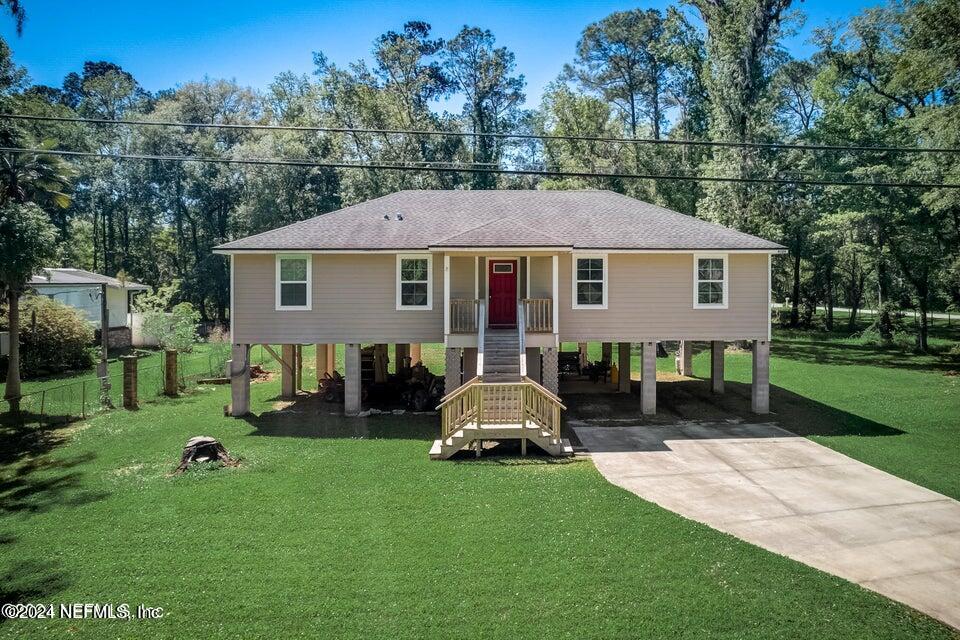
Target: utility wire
460, 169
776, 146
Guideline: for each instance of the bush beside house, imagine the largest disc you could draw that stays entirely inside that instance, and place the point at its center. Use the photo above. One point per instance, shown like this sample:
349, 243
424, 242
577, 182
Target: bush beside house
54, 337
174, 330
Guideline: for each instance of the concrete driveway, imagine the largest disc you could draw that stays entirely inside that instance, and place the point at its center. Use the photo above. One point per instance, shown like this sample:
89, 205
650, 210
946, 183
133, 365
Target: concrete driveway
796, 498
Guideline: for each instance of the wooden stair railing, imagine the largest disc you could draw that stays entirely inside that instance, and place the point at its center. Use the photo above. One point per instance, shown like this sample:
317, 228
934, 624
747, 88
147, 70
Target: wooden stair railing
478, 404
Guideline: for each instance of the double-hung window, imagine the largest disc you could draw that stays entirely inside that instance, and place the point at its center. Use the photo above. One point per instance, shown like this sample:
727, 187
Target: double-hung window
710, 290
414, 282
293, 282
589, 281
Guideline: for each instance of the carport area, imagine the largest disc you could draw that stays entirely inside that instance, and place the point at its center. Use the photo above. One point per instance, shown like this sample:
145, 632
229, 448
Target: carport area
788, 494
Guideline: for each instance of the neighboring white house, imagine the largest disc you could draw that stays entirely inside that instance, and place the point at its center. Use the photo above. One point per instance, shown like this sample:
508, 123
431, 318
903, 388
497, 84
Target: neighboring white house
82, 289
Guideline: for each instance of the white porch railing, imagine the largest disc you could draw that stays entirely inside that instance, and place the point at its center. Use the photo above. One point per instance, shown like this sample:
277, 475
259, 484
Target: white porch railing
464, 315
538, 313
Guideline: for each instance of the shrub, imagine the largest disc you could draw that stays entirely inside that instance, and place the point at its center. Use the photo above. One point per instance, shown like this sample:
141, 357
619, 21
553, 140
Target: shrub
174, 330
54, 337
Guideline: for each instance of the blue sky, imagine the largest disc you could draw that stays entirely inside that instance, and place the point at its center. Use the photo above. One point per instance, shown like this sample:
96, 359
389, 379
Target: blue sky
166, 43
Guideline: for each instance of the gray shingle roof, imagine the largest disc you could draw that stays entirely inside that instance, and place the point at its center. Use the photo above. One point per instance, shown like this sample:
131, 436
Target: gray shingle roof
502, 232
578, 219
81, 277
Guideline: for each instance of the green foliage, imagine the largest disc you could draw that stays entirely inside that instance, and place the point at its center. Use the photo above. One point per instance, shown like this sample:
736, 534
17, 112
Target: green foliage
889, 76
54, 337
174, 330
158, 299
27, 243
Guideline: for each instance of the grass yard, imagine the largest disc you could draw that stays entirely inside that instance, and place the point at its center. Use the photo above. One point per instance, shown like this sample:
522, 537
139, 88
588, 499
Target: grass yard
344, 528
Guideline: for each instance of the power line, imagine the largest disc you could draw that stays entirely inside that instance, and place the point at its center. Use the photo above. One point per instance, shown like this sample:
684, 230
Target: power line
426, 166
776, 146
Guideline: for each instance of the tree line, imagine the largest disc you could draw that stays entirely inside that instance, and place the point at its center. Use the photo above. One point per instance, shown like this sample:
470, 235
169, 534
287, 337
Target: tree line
703, 70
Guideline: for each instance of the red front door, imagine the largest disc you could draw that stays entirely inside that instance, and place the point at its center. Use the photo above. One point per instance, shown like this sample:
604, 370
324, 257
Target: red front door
503, 293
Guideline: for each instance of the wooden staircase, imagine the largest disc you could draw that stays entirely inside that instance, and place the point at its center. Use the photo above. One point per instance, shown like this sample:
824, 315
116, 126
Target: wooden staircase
480, 410
501, 355
501, 402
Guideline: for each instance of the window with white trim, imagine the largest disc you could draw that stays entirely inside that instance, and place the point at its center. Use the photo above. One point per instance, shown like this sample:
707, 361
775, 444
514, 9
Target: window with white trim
414, 282
589, 282
710, 289
293, 282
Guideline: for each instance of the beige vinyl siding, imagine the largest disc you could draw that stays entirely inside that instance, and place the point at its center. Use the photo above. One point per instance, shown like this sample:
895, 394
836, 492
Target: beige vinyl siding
541, 276
461, 277
354, 300
651, 298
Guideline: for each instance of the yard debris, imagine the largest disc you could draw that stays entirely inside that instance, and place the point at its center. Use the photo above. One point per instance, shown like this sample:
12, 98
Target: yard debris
204, 449
257, 372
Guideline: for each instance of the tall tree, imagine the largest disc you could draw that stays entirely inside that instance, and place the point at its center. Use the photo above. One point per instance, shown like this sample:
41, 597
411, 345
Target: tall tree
27, 243
624, 59
741, 36
483, 73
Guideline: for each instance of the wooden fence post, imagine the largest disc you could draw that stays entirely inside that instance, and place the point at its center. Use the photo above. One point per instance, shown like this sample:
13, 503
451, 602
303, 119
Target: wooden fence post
170, 386
129, 382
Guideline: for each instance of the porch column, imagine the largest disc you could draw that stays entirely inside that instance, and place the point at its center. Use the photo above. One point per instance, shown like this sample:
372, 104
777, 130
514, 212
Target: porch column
287, 372
321, 363
623, 357
582, 351
685, 358
648, 379
716, 365
533, 363
415, 353
352, 383
240, 380
331, 358
446, 296
555, 302
606, 351
760, 389
469, 363
551, 374
451, 361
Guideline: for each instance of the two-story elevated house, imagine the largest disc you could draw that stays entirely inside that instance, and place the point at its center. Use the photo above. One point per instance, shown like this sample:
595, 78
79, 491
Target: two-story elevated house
501, 278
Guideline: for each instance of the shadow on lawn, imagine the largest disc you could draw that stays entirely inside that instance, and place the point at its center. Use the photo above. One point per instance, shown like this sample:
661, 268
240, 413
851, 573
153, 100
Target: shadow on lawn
31, 581
308, 416
31, 480
40, 483
835, 353
691, 401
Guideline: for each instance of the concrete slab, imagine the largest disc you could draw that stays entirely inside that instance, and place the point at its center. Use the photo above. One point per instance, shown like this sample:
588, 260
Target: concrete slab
796, 498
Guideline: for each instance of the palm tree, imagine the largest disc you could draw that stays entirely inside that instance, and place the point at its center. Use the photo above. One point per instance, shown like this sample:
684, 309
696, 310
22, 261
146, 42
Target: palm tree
30, 185
37, 177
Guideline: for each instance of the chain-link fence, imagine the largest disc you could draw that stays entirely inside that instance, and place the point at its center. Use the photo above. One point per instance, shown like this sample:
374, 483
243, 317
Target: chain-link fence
80, 399
191, 368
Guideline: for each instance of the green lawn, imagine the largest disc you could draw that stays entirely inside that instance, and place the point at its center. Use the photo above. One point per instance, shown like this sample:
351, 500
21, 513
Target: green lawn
344, 528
